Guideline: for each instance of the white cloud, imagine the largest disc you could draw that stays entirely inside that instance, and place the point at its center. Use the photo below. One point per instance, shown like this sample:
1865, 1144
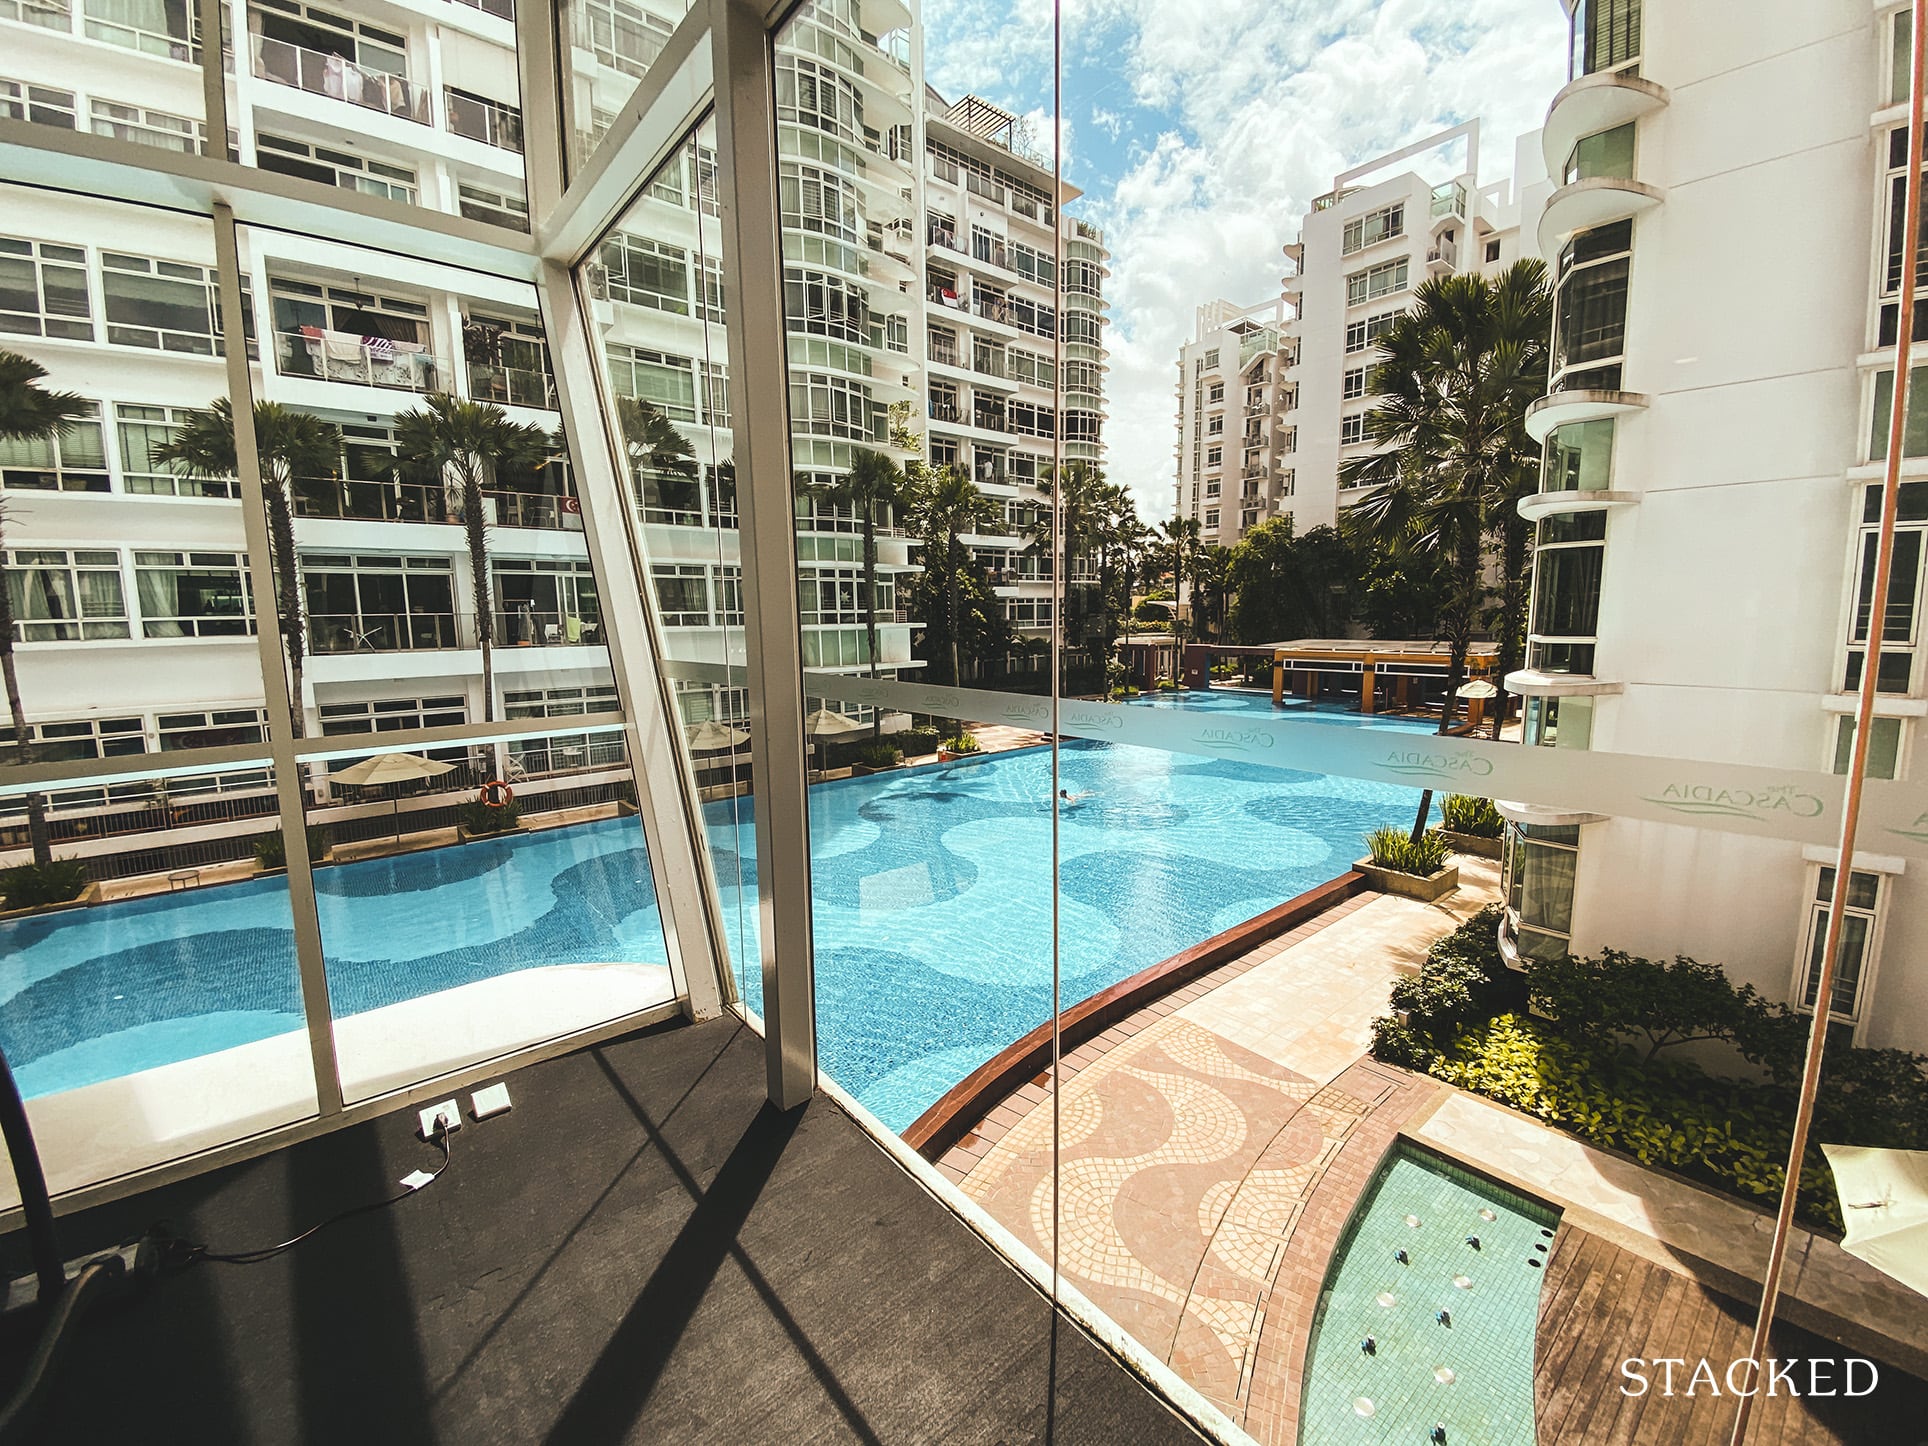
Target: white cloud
1108, 121
1256, 104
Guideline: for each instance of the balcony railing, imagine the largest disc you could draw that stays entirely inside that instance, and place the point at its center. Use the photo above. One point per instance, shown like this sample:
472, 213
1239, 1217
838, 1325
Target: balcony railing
990, 364
360, 500
339, 79
990, 251
945, 412
1443, 252
994, 308
390, 632
512, 386
990, 421
1449, 200
944, 236
484, 120
523, 627
944, 353
339, 356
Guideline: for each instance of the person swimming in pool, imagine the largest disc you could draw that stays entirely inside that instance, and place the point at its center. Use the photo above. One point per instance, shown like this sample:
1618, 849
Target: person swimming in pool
1070, 798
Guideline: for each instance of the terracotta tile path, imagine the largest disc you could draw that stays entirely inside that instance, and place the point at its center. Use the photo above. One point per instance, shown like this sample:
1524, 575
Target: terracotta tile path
1212, 1147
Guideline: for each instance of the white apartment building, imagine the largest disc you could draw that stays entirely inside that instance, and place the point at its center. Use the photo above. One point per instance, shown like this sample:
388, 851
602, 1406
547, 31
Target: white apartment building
992, 291
1360, 252
128, 576
1234, 412
1711, 481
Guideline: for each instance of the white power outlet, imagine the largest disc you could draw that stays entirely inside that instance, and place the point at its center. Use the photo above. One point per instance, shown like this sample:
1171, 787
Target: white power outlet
448, 1112
489, 1101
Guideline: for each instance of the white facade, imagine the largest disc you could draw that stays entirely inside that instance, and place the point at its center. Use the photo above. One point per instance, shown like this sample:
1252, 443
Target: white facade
992, 296
1712, 446
1233, 412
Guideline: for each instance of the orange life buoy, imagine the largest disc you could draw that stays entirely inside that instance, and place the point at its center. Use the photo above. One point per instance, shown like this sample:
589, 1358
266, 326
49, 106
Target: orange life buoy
497, 794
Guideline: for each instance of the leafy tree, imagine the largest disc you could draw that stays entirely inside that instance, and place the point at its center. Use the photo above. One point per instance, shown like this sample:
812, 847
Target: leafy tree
1285, 586
1619, 995
874, 485
468, 444
658, 454
28, 413
1180, 541
292, 446
1460, 369
945, 508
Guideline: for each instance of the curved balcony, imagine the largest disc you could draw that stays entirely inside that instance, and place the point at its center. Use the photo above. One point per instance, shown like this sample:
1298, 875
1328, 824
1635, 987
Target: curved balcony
1583, 404
1591, 104
1544, 815
1528, 683
1574, 499
880, 17
1596, 201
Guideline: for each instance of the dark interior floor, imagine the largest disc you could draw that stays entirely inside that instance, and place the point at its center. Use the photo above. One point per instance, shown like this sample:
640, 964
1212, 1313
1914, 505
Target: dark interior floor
642, 1251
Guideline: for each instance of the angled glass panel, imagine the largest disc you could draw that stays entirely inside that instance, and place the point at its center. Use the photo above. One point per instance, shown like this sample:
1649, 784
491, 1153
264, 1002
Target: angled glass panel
608, 46
125, 69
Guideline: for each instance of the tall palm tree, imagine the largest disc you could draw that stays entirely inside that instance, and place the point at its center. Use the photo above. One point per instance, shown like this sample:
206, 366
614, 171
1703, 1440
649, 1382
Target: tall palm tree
1460, 369
1181, 542
1211, 581
944, 510
28, 413
873, 485
467, 444
1070, 532
651, 441
292, 446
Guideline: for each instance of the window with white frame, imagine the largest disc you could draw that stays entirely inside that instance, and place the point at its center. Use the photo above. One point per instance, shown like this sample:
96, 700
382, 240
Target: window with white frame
1373, 227
1376, 281
43, 290
162, 305
1211, 519
495, 208
1214, 456
192, 595
1860, 925
74, 461
62, 596
1884, 745
1542, 862
658, 377
1352, 429
41, 104
145, 127
393, 715
1901, 632
1366, 330
335, 167
1352, 384
1216, 393
623, 36
1215, 426
154, 27
830, 406
682, 594
143, 429
644, 272
813, 200
1212, 486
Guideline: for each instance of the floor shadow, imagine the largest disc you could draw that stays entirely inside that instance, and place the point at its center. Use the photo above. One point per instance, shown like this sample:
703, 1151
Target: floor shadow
606, 1405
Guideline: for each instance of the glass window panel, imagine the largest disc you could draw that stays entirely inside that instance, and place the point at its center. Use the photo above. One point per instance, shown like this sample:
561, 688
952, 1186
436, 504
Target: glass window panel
608, 46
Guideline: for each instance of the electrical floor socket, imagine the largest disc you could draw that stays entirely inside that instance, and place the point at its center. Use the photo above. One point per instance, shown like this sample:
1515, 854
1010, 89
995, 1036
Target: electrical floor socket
448, 1112
490, 1100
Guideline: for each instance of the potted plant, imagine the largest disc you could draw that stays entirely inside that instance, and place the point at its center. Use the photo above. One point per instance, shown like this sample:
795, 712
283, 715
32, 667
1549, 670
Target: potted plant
959, 745
483, 820
878, 757
1471, 825
271, 849
1412, 868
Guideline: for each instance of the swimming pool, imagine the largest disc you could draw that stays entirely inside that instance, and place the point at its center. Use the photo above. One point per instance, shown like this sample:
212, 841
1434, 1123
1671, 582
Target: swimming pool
932, 900
1471, 1372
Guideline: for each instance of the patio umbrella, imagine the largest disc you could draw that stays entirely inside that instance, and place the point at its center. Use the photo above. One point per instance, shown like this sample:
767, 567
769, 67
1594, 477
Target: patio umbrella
392, 768
709, 736
1478, 688
1884, 1200
825, 724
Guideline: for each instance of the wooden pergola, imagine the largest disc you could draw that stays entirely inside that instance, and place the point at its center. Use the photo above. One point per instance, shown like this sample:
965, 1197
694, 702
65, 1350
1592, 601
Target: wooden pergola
1380, 666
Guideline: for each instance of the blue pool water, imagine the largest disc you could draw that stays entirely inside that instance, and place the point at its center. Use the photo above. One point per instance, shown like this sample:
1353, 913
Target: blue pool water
932, 894
1472, 1374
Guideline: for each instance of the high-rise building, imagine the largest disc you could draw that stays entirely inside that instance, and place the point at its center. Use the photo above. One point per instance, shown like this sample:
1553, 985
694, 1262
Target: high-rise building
1708, 458
1235, 463
993, 233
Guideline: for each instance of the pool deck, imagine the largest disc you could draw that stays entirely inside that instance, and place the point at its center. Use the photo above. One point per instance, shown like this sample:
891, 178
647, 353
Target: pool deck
1214, 1145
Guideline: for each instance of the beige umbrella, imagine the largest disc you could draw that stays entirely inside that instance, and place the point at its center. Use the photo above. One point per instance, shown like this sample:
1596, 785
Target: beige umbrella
825, 724
1478, 688
1884, 1200
392, 768
709, 736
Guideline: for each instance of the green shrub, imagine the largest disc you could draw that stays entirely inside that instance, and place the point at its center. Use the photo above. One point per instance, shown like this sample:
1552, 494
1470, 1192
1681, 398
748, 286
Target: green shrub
1474, 817
961, 743
880, 755
1463, 981
1394, 848
480, 819
271, 850
31, 885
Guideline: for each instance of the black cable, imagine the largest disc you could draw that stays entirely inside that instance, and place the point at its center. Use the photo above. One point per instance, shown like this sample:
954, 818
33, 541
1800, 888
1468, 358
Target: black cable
190, 1254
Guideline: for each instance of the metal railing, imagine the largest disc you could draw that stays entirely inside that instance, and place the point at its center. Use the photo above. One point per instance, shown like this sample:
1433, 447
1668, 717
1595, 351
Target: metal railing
945, 412
527, 627
993, 308
484, 120
415, 632
362, 500
990, 251
339, 78
338, 356
945, 353
944, 236
512, 386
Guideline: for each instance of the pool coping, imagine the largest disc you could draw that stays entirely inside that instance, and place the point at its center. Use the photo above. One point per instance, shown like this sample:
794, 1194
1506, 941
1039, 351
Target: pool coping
966, 1103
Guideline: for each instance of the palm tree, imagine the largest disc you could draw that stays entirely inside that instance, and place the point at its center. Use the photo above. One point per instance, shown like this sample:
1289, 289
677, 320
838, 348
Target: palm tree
292, 446
873, 485
945, 509
1183, 548
1460, 369
651, 441
468, 444
1070, 531
28, 413
1211, 583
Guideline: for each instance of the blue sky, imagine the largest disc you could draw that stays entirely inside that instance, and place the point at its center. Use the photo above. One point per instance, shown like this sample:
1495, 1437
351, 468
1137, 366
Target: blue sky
1201, 129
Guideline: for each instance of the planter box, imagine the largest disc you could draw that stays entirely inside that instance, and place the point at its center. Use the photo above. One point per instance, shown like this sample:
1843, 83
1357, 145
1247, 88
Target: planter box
462, 834
1472, 845
89, 894
865, 770
327, 857
626, 809
1410, 886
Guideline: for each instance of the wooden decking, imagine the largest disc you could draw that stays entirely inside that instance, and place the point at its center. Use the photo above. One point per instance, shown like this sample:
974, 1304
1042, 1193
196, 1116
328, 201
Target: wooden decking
1601, 1305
